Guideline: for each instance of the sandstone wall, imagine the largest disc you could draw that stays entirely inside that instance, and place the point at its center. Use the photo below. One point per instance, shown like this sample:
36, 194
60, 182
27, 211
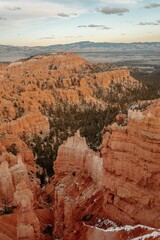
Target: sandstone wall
28, 226
104, 79
31, 123
123, 186
77, 186
46, 81
132, 169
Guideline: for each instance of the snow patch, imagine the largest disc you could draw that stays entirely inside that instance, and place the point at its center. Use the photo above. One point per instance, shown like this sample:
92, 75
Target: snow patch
153, 235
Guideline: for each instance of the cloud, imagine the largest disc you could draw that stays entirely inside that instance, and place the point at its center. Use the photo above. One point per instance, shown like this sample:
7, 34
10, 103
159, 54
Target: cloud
82, 26
13, 8
62, 15
66, 15
94, 26
157, 22
102, 27
3, 18
152, 5
45, 38
91, 2
98, 26
108, 10
36, 9
79, 36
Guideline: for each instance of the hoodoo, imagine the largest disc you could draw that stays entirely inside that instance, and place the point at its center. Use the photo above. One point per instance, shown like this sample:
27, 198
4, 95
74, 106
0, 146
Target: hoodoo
52, 184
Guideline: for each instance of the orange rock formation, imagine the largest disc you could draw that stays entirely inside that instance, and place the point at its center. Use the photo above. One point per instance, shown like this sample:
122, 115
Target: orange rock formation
123, 186
28, 226
31, 123
47, 80
131, 168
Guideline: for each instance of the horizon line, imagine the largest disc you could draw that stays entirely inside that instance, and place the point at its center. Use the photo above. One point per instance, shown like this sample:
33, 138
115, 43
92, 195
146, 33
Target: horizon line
57, 44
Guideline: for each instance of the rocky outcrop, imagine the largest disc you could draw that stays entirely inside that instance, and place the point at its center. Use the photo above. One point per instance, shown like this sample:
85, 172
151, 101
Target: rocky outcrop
77, 184
19, 172
45, 81
10, 146
131, 168
118, 76
27, 223
10, 177
8, 227
20, 194
122, 186
138, 232
32, 123
121, 183
81, 158
6, 185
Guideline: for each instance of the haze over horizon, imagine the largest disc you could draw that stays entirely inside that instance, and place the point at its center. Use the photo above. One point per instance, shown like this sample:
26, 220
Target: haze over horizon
49, 22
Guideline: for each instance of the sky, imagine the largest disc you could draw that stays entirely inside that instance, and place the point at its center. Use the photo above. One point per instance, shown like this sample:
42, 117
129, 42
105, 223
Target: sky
49, 22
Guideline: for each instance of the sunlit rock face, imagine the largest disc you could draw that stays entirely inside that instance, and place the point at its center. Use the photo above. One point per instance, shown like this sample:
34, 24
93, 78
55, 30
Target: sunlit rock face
20, 192
89, 189
45, 81
78, 174
122, 186
32, 123
132, 170
6, 184
138, 232
75, 153
28, 226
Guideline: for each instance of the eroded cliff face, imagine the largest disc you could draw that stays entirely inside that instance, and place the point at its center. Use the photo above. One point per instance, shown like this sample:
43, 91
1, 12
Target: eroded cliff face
131, 168
122, 185
28, 226
45, 81
77, 184
30, 124
23, 212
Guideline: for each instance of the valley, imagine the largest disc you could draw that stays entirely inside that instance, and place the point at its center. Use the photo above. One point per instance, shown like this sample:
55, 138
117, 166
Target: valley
79, 149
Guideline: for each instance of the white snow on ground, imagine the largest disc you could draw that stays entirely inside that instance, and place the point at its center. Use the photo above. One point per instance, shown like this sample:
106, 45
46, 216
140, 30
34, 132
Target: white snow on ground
103, 222
126, 228
153, 235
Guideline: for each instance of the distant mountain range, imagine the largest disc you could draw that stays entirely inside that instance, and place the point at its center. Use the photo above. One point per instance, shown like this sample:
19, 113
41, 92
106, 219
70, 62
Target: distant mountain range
93, 51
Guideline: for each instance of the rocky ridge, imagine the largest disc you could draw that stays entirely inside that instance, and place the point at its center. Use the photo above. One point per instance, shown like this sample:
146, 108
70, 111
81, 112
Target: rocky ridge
45, 81
85, 186
121, 186
31, 123
19, 186
131, 157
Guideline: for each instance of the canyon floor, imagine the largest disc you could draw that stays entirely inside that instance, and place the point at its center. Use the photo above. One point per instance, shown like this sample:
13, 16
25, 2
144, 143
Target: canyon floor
79, 150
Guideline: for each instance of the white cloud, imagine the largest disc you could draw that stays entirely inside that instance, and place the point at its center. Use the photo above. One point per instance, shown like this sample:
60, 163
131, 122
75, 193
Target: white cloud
22, 10
121, 1
102, 27
108, 10
156, 22
152, 5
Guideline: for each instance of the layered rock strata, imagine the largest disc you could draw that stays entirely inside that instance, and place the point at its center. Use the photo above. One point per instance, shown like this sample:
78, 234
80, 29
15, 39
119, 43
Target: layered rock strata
77, 186
131, 169
122, 186
30, 124
28, 226
45, 81
19, 193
